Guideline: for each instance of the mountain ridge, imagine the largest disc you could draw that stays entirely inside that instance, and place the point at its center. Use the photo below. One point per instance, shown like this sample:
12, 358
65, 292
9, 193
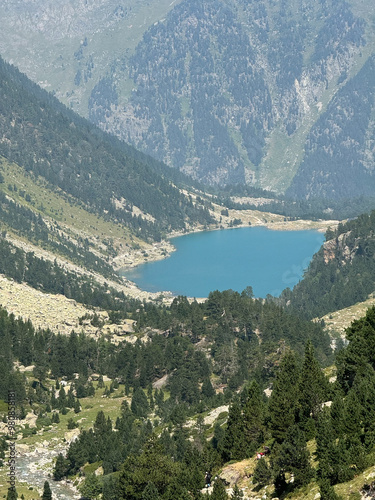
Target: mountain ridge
227, 91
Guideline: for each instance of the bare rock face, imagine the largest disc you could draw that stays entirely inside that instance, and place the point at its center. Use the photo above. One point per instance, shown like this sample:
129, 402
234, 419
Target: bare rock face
338, 248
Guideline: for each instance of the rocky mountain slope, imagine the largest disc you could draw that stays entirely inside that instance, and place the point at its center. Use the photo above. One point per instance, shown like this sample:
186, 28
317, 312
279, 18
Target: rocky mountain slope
66, 46
342, 272
228, 91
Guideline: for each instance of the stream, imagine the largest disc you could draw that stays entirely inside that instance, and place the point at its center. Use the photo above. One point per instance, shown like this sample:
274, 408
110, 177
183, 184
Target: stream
34, 468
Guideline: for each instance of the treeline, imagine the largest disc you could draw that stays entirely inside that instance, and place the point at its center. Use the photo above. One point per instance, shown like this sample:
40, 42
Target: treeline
340, 274
49, 140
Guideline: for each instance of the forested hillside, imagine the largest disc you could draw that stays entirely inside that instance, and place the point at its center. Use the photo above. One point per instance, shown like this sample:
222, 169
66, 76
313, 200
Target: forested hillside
49, 141
228, 91
339, 159
209, 355
341, 273
205, 352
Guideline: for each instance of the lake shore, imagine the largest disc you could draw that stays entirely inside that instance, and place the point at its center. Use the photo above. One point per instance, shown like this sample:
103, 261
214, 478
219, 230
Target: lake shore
165, 248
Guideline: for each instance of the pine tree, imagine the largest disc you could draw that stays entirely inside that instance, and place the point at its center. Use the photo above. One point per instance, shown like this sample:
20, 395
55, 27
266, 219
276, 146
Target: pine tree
54, 401
62, 398
91, 487
152, 465
333, 457
139, 405
12, 494
47, 493
284, 400
70, 399
219, 491
326, 491
237, 493
293, 457
262, 473
313, 386
77, 406
150, 492
337, 415
60, 468
233, 442
207, 390
253, 416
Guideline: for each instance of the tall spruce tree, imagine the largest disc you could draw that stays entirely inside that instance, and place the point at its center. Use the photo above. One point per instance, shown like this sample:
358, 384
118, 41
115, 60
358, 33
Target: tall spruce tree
253, 418
60, 467
234, 446
293, 457
47, 493
284, 400
262, 473
219, 491
91, 488
313, 387
332, 454
326, 491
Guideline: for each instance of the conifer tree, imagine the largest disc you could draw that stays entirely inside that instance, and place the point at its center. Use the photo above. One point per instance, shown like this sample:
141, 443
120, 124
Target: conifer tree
326, 491
47, 493
333, 457
91, 488
54, 401
207, 390
284, 400
293, 457
77, 406
337, 415
253, 417
262, 473
70, 399
237, 494
352, 416
110, 487
12, 494
313, 385
150, 492
219, 491
60, 467
139, 405
62, 398
233, 441
152, 465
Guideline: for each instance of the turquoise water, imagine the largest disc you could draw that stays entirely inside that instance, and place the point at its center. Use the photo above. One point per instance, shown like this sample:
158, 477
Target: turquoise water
267, 260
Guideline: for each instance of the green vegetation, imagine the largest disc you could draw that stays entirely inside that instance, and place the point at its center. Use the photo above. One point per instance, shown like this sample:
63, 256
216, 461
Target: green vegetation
340, 274
109, 177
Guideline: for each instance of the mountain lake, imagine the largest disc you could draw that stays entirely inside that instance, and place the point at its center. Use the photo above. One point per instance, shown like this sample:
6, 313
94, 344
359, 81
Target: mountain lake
267, 260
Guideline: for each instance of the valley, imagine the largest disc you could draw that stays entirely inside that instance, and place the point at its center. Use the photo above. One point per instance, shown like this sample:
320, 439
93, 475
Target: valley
213, 119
